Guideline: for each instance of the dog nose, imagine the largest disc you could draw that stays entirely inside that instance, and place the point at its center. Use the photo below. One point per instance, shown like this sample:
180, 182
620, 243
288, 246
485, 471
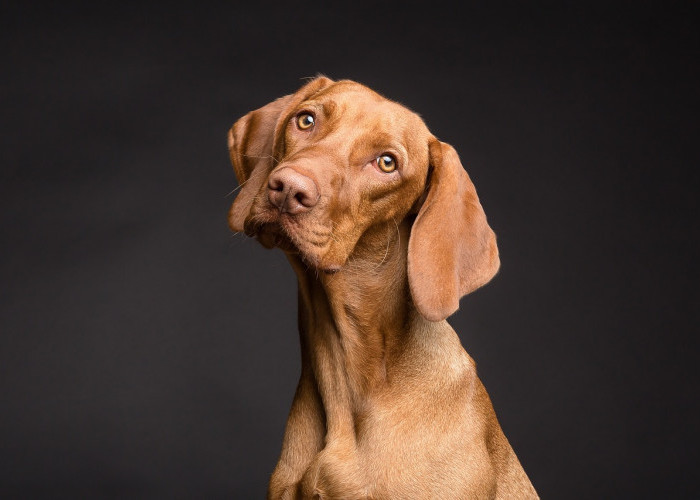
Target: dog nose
291, 191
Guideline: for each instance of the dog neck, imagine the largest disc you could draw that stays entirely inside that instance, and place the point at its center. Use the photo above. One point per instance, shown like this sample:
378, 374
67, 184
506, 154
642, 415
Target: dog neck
351, 323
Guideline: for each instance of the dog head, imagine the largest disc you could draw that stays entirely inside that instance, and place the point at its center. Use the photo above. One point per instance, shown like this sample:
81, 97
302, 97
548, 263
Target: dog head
319, 168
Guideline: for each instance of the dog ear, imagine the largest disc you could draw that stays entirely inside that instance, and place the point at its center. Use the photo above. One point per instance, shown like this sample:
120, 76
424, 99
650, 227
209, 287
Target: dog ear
452, 250
251, 141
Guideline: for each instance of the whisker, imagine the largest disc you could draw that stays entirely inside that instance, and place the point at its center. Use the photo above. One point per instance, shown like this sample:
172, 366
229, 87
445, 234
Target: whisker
398, 233
265, 157
237, 188
332, 236
388, 241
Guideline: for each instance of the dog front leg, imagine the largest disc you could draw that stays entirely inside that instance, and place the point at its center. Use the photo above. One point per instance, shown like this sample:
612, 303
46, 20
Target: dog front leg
303, 440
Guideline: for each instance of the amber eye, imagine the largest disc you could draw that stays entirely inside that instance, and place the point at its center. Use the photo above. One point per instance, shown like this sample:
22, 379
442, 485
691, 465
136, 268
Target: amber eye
305, 121
386, 163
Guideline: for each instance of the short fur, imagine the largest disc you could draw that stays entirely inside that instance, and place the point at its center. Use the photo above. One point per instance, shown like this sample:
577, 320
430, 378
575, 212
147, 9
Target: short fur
388, 404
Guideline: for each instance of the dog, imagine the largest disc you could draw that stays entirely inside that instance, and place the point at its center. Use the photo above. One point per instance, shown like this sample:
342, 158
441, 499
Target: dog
385, 233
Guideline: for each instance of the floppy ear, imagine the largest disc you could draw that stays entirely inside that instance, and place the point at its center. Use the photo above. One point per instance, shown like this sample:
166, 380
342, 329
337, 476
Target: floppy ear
452, 250
251, 141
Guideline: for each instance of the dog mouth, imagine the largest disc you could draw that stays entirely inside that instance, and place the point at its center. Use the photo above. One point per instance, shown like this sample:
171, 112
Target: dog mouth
311, 242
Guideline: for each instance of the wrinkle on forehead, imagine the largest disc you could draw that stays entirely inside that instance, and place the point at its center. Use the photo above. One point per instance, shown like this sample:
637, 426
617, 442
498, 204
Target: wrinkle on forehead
377, 120
356, 97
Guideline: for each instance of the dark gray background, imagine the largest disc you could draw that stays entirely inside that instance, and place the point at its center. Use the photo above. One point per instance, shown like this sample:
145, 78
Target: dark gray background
147, 352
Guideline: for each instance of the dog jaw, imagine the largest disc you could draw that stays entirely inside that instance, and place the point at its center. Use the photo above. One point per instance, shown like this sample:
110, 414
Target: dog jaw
310, 240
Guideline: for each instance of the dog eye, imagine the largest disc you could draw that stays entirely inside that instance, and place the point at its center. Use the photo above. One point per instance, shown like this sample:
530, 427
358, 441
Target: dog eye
305, 121
386, 163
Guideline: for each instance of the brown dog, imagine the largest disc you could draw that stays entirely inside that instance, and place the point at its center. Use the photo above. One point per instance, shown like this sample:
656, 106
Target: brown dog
385, 233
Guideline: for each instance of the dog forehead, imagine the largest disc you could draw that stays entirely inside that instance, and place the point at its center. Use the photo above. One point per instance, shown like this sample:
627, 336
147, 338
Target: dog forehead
375, 119
354, 98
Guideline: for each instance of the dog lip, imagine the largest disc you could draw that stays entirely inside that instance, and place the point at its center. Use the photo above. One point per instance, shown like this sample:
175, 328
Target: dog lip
285, 235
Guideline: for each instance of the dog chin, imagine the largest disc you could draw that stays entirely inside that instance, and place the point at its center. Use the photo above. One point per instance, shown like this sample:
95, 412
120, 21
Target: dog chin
313, 260
275, 235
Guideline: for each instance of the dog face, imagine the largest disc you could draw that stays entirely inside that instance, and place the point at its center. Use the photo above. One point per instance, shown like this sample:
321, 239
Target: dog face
324, 166
344, 159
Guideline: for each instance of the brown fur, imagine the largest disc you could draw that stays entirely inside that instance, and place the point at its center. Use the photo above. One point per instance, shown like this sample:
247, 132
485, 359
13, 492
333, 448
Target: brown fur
389, 404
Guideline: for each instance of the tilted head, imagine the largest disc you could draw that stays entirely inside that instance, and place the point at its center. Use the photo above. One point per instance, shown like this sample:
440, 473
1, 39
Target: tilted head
320, 168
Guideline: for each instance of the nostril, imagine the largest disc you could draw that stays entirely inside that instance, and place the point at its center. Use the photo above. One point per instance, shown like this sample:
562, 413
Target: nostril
307, 198
275, 184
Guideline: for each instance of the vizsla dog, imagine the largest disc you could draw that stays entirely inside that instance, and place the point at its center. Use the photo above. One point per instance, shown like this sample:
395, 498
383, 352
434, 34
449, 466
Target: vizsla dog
385, 232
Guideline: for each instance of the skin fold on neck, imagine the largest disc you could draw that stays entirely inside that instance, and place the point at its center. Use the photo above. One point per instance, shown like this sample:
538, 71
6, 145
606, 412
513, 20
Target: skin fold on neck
349, 323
